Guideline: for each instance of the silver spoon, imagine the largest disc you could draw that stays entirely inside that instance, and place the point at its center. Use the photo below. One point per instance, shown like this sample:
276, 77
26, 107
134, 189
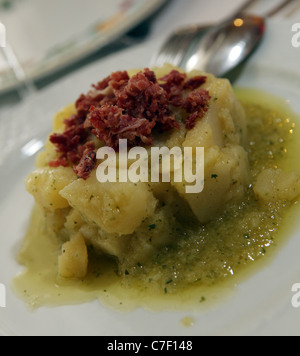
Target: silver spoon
216, 49
224, 47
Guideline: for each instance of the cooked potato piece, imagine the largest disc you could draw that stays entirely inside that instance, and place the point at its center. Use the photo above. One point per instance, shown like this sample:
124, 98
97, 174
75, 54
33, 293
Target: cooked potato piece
61, 116
226, 176
225, 120
275, 185
104, 243
115, 207
73, 262
49, 153
46, 183
222, 132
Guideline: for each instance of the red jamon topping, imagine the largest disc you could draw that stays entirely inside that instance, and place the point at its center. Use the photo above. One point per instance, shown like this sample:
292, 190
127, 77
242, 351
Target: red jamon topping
120, 107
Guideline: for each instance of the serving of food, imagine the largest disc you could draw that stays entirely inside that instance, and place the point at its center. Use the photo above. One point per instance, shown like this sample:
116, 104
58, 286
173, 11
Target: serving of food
153, 243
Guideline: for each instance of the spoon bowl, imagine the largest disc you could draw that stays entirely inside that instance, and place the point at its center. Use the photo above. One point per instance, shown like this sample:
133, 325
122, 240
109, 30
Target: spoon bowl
214, 49
224, 47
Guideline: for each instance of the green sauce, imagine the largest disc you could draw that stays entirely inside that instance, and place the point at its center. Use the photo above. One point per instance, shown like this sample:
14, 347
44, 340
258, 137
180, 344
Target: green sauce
208, 261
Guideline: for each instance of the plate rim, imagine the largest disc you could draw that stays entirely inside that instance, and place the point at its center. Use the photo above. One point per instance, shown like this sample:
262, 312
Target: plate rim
46, 67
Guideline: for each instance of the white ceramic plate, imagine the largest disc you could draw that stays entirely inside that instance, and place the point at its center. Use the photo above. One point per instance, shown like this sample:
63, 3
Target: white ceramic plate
48, 35
261, 305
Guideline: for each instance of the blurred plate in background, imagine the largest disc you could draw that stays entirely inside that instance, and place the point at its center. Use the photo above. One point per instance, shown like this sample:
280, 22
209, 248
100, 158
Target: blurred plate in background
46, 36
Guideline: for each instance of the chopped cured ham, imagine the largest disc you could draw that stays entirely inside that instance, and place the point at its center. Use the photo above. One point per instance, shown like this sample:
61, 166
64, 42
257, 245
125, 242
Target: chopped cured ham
124, 107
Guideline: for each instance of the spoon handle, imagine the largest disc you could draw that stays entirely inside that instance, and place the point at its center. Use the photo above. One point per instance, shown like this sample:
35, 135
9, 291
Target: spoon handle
279, 8
242, 9
270, 13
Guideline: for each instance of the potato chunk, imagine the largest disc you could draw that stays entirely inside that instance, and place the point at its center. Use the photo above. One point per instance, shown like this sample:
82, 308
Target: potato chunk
114, 207
226, 176
275, 185
225, 121
46, 183
73, 262
49, 153
222, 132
